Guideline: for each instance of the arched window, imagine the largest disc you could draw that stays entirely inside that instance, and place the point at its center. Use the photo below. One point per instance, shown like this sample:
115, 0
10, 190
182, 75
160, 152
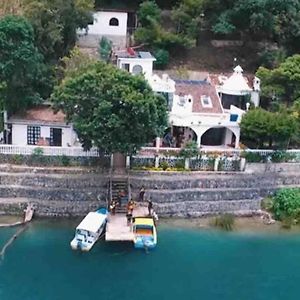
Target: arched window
137, 69
113, 22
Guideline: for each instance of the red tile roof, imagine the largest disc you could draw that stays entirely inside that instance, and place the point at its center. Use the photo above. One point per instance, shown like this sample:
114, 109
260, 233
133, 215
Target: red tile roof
42, 114
197, 89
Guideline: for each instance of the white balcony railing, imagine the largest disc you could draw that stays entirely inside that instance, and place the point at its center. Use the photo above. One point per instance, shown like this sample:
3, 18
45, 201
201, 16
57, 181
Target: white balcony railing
47, 150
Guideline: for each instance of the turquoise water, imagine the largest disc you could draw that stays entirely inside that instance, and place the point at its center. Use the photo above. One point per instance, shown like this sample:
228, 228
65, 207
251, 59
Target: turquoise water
187, 264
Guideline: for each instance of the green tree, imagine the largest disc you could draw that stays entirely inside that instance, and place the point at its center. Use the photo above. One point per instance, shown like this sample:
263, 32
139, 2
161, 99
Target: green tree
105, 48
148, 13
23, 79
261, 128
55, 23
74, 63
281, 84
269, 19
111, 109
151, 32
189, 17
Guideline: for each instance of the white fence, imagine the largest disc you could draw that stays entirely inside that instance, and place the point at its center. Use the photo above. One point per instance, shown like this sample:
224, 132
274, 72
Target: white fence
212, 150
46, 150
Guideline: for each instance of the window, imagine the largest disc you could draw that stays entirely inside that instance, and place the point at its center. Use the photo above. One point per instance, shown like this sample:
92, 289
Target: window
206, 101
125, 67
33, 134
182, 100
113, 22
137, 69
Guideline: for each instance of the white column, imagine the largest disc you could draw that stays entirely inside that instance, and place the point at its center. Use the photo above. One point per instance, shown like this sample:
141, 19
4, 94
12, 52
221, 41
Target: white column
199, 140
157, 144
237, 141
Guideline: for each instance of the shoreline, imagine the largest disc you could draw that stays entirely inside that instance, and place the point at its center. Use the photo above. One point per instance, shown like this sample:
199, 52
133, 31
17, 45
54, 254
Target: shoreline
253, 224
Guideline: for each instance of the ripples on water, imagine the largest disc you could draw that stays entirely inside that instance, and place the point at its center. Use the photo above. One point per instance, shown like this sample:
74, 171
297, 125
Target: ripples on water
187, 264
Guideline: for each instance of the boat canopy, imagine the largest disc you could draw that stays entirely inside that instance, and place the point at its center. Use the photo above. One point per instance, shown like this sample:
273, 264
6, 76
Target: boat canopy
92, 222
144, 221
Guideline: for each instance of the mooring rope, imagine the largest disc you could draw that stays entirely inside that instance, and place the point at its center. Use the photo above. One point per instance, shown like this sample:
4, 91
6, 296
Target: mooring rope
11, 240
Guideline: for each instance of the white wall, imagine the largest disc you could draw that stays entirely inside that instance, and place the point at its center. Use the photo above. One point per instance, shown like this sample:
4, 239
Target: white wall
101, 23
146, 64
19, 134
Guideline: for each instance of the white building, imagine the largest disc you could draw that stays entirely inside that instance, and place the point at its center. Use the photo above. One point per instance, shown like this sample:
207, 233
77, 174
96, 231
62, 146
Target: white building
40, 126
135, 62
109, 24
196, 111
236, 90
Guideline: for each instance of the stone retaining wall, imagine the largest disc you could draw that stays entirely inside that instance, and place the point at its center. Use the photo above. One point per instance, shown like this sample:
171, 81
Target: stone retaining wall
74, 192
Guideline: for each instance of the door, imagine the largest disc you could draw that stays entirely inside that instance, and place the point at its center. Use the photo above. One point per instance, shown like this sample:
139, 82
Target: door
56, 137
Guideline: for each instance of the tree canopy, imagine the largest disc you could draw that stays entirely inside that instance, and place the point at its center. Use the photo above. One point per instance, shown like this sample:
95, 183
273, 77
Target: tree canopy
111, 109
55, 23
261, 128
23, 79
282, 84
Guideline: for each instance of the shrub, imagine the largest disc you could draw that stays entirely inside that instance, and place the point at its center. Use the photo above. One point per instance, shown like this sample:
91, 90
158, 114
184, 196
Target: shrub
254, 157
286, 203
65, 160
17, 159
162, 58
189, 150
282, 156
287, 222
37, 156
267, 204
164, 165
179, 164
225, 222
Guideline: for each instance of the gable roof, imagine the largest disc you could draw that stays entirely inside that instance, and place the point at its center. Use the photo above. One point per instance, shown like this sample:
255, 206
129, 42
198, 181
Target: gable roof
42, 114
197, 89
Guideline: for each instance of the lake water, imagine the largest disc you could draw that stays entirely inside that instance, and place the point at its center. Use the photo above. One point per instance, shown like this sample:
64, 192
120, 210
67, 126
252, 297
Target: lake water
187, 264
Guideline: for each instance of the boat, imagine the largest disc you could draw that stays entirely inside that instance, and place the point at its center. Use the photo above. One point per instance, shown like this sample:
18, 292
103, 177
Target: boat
89, 230
144, 232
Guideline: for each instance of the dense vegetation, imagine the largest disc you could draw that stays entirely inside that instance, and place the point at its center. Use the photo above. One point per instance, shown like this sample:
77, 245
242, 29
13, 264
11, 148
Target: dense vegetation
37, 39
286, 204
110, 108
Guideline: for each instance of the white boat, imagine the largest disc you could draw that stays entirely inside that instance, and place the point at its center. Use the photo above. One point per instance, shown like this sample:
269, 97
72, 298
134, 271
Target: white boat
89, 230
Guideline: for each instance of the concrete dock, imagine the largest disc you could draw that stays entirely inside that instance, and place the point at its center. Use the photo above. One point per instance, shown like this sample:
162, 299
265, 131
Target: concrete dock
117, 228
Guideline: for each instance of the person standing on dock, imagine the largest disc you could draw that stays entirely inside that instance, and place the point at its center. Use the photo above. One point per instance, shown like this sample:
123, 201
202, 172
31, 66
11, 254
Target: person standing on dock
142, 194
150, 207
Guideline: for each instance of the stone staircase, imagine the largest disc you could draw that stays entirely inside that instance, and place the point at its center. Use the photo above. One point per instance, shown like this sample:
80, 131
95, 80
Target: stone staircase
54, 191
76, 191
120, 185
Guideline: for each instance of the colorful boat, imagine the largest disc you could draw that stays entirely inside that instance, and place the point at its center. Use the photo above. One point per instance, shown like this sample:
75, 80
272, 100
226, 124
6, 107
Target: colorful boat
89, 230
145, 235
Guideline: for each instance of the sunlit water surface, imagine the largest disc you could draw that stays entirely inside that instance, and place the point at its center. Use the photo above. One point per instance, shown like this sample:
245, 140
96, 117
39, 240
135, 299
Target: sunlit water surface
187, 264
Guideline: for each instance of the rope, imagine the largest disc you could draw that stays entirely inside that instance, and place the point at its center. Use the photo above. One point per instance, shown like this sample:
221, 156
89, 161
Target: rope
11, 240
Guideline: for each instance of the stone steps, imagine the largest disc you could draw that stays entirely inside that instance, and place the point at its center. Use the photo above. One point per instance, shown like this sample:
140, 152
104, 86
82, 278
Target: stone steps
228, 194
45, 180
49, 194
100, 180
245, 207
54, 208
9, 168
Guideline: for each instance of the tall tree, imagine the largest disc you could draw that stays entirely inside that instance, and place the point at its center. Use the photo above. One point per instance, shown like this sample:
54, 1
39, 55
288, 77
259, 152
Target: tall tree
111, 109
55, 23
189, 17
281, 84
23, 80
261, 128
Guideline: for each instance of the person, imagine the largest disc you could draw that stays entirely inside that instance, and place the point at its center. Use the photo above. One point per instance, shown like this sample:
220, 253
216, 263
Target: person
129, 218
150, 207
155, 218
130, 206
142, 194
113, 207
